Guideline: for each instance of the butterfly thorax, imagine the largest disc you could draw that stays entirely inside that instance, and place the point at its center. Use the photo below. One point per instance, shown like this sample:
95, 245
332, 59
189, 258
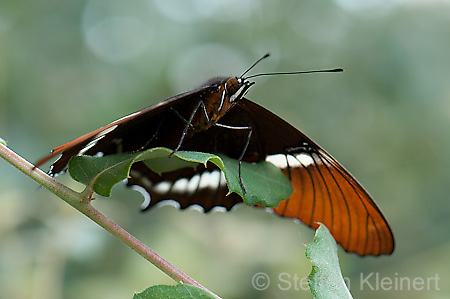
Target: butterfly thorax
216, 104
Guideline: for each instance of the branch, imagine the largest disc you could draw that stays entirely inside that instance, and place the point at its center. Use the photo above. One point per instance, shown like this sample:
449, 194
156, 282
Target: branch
83, 205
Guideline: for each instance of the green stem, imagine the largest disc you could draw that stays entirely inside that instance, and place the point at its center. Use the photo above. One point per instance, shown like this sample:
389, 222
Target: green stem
75, 199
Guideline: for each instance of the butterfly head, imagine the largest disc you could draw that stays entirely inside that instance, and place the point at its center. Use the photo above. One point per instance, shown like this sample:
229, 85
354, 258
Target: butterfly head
236, 88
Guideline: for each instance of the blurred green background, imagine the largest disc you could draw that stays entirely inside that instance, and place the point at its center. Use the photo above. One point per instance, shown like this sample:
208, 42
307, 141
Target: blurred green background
68, 67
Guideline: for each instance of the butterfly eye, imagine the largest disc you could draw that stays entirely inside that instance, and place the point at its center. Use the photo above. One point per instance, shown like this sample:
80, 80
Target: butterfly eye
232, 86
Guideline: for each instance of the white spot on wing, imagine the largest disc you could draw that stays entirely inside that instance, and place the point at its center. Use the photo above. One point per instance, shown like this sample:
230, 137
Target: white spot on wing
99, 154
168, 202
219, 209
193, 184
282, 160
89, 145
96, 139
278, 160
197, 208
180, 186
50, 172
127, 116
162, 187
210, 179
184, 186
105, 131
142, 179
223, 180
145, 194
304, 159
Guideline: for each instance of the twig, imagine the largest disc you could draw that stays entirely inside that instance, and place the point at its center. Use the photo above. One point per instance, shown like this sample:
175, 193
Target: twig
77, 201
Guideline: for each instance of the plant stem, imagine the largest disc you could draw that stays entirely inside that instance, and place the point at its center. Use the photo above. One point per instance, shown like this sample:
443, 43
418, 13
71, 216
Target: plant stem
75, 199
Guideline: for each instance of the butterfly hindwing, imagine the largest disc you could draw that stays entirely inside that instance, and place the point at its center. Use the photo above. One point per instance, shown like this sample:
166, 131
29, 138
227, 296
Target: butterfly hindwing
202, 186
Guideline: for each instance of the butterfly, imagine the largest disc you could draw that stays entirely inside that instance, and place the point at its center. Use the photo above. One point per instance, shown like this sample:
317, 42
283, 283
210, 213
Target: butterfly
217, 118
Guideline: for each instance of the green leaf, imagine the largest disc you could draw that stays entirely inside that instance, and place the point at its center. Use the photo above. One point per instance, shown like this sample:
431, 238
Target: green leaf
325, 279
158, 160
101, 173
2, 141
181, 290
162, 163
264, 183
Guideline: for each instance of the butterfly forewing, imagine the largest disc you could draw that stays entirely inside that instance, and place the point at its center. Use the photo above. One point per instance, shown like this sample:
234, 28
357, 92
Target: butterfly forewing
323, 190
156, 125
328, 194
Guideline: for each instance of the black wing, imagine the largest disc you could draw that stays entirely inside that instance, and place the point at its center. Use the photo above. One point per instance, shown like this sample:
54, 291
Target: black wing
160, 124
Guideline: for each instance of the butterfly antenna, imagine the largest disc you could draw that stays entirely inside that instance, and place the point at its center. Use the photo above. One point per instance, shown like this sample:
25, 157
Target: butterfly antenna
253, 65
295, 73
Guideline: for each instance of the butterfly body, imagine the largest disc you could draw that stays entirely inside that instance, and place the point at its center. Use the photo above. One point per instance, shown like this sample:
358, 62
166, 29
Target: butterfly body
216, 118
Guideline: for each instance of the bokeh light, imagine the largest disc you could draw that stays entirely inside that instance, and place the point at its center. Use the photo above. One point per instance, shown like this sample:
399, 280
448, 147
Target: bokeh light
68, 67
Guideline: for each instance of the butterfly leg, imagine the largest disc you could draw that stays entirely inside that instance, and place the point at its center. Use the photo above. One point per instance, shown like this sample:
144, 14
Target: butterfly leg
155, 136
189, 123
181, 117
250, 130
